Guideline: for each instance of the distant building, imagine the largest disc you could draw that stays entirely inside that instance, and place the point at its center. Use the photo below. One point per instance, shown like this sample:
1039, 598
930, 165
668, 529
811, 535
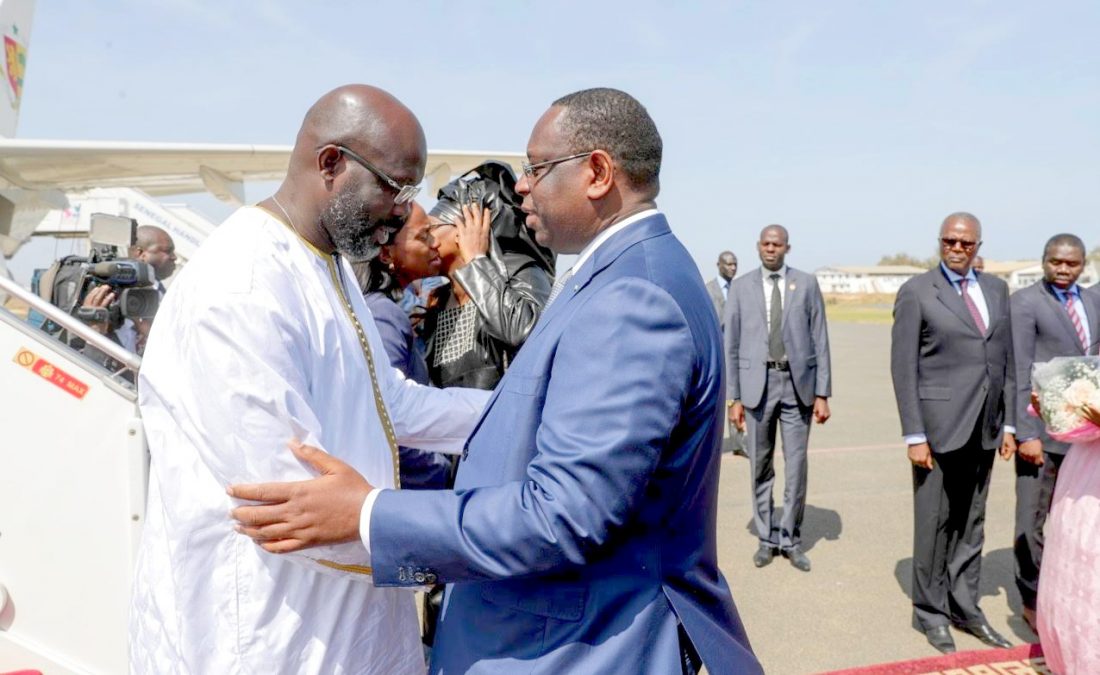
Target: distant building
1022, 273
869, 279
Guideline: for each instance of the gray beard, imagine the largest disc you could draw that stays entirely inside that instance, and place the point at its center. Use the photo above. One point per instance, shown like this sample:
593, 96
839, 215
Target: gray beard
354, 235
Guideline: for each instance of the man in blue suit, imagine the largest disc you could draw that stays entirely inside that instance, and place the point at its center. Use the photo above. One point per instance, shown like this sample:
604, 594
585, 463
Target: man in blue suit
580, 536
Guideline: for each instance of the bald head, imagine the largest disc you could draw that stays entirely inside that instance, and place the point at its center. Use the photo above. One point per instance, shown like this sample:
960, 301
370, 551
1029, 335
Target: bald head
727, 265
777, 230
150, 235
963, 219
370, 121
154, 246
358, 152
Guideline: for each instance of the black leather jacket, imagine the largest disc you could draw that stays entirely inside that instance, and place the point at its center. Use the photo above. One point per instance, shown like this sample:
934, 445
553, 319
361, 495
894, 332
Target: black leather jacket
509, 291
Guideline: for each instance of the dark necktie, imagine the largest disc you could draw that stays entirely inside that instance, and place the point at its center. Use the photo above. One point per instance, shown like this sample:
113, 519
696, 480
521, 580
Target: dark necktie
776, 350
973, 308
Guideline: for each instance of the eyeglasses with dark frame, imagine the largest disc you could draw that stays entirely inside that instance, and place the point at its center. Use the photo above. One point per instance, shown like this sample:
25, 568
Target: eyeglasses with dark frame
951, 242
405, 193
529, 169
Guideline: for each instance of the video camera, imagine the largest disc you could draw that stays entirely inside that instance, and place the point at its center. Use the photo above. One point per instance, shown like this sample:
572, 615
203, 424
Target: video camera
70, 279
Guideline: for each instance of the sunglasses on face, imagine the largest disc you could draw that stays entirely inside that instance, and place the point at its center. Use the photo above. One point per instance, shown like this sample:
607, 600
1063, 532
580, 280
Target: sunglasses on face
952, 242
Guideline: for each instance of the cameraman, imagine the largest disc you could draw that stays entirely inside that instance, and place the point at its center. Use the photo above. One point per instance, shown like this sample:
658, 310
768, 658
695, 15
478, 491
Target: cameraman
154, 247
101, 297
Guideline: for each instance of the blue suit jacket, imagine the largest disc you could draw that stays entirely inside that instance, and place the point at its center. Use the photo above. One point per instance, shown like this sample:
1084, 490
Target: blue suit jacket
581, 530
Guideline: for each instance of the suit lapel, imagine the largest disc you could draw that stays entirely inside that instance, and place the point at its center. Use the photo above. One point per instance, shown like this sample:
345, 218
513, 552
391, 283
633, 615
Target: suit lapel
992, 308
789, 293
946, 293
606, 254
756, 293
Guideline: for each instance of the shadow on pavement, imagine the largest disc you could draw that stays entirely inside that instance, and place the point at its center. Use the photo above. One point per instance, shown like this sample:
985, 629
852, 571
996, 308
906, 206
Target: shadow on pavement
817, 524
998, 576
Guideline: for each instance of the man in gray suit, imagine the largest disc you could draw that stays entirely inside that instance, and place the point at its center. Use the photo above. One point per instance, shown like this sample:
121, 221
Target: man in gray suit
778, 374
719, 286
1050, 318
952, 364
718, 289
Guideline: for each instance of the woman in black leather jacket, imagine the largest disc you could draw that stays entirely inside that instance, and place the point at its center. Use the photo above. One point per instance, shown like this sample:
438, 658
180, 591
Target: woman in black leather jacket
500, 279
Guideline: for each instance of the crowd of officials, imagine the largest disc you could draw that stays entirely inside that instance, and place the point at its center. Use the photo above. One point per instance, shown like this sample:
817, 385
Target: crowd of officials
961, 358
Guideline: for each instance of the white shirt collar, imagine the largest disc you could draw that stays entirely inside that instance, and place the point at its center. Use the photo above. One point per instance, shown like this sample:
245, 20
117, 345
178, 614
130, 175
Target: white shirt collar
619, 226
954, 277
767, 273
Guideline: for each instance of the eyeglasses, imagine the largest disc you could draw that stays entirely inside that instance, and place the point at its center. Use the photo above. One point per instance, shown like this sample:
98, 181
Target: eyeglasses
951, 242
405, 193
529, 170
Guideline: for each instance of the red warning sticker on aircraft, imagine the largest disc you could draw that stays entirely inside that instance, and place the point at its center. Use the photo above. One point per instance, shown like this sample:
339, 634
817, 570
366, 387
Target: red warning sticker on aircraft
51, 373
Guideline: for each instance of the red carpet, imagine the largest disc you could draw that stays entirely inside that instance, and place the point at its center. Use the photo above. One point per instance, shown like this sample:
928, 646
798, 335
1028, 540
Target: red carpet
1021, 660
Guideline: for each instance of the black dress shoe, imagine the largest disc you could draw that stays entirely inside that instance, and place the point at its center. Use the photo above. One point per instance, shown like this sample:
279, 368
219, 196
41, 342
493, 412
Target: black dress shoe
798, 559
986, 634
940, 638
763, 555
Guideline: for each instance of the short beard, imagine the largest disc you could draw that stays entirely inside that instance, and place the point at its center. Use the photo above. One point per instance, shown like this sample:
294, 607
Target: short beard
354, 233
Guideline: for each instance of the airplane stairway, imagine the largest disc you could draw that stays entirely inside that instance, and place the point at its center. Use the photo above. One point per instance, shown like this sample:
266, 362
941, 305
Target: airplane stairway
73, 476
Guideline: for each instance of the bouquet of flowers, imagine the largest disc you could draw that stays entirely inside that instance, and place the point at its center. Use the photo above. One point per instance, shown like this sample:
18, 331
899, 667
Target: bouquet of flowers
1065, 386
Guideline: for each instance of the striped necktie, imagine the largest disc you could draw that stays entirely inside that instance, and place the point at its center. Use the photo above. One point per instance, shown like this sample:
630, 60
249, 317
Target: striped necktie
1076, 320
972, 306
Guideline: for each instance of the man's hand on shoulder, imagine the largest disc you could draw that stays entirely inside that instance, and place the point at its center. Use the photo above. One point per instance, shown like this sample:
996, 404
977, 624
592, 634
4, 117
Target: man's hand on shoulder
302, 514
821, 410
1032, 451
920, 454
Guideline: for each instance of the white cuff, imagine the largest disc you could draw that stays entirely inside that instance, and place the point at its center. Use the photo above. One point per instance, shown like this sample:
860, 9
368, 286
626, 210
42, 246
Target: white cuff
1009, 429
915, 439
364, 517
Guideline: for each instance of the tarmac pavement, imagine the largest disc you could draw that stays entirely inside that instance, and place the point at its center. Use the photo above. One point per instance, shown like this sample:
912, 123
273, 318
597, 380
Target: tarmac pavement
853, 608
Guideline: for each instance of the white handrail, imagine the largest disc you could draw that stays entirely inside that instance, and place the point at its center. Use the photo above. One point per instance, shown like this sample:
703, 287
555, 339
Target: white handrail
72, 324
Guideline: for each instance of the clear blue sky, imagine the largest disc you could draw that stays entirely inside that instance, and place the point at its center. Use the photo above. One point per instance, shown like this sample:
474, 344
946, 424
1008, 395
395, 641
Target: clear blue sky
858, 125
